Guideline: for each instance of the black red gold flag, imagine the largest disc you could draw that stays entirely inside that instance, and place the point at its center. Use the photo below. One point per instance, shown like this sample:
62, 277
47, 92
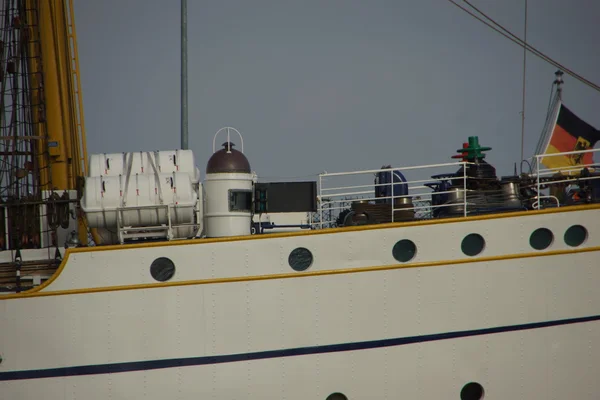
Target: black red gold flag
570, 133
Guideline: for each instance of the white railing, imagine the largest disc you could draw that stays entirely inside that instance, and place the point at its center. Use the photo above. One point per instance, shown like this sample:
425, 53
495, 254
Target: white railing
562, 177
336, 191
169, 230
542, 188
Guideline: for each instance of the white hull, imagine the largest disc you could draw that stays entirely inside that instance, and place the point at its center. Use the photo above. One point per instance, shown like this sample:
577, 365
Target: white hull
519, 365
244, 325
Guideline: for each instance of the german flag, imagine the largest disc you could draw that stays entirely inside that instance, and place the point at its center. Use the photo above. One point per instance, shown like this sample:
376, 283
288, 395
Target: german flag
570, 134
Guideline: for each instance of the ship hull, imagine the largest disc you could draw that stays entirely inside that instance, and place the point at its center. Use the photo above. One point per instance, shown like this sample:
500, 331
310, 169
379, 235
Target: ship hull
236, 321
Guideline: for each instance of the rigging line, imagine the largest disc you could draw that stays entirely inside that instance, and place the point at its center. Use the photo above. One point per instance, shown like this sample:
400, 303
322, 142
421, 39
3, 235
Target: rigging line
531, 49
527, 46
517, 41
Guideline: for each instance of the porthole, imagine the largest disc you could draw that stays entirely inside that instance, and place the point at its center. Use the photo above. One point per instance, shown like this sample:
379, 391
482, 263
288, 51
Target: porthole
472, 244
162, 269
404, 250
1, 359
541, 238
576, 235
300, 259
337, 396
472, 391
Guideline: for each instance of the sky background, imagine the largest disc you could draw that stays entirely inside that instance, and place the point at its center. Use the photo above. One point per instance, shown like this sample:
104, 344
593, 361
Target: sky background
330, 85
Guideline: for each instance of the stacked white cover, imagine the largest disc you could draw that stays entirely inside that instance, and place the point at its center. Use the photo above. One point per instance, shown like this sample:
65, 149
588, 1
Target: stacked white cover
113, 164
141, 184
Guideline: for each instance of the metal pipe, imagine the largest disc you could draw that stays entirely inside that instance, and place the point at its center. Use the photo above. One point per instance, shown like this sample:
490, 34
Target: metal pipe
524, 86
184, 105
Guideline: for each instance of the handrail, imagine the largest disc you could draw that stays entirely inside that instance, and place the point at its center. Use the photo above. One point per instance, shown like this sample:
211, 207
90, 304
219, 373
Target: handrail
547, 172
337, 193
567, 153
167, 227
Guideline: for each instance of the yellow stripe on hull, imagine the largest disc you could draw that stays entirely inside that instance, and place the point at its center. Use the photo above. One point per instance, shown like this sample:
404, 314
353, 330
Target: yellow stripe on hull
236, 279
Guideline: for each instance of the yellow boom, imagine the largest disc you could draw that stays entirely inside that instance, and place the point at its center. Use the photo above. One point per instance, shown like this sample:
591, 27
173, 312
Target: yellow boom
62, 153
43, 155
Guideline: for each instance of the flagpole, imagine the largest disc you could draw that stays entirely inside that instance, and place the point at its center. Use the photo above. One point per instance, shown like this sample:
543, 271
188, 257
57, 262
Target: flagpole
551, 120
184, 96
524, 78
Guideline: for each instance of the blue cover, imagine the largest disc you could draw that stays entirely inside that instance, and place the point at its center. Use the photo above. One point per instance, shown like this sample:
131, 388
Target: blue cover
400, 187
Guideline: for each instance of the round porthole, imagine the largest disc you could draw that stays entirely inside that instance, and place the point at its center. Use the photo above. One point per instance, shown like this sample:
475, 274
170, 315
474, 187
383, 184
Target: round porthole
472, 244
575, 235
541, 238
162, 269
337, 396
404, 250
472, 391
300, 259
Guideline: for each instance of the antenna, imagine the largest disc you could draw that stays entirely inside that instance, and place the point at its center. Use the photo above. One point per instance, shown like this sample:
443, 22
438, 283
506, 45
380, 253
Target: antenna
184, 106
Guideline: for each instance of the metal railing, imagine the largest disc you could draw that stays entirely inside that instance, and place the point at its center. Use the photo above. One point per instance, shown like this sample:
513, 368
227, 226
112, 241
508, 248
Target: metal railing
168, 230
564, 176
334, 197
342, 192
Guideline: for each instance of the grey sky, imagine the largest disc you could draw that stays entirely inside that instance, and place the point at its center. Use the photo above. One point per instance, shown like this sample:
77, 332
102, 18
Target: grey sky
330, 85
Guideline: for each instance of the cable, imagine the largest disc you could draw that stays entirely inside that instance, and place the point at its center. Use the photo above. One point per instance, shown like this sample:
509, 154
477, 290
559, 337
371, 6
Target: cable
536, 51
513, 38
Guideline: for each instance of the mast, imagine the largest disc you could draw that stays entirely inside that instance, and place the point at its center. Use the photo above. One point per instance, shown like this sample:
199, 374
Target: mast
42, 138
184, 96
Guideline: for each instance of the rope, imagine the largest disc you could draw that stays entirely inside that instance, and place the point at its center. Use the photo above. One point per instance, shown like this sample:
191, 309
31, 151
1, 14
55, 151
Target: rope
513, 38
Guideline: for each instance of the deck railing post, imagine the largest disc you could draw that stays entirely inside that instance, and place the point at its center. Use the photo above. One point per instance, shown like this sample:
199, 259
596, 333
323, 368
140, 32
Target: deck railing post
320, 202
464, 188
392, 183
537, 178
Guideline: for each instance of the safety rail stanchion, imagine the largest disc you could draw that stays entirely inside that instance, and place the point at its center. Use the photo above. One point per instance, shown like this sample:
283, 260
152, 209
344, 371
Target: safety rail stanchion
393, 199
537, 179
464, 164
320, 202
